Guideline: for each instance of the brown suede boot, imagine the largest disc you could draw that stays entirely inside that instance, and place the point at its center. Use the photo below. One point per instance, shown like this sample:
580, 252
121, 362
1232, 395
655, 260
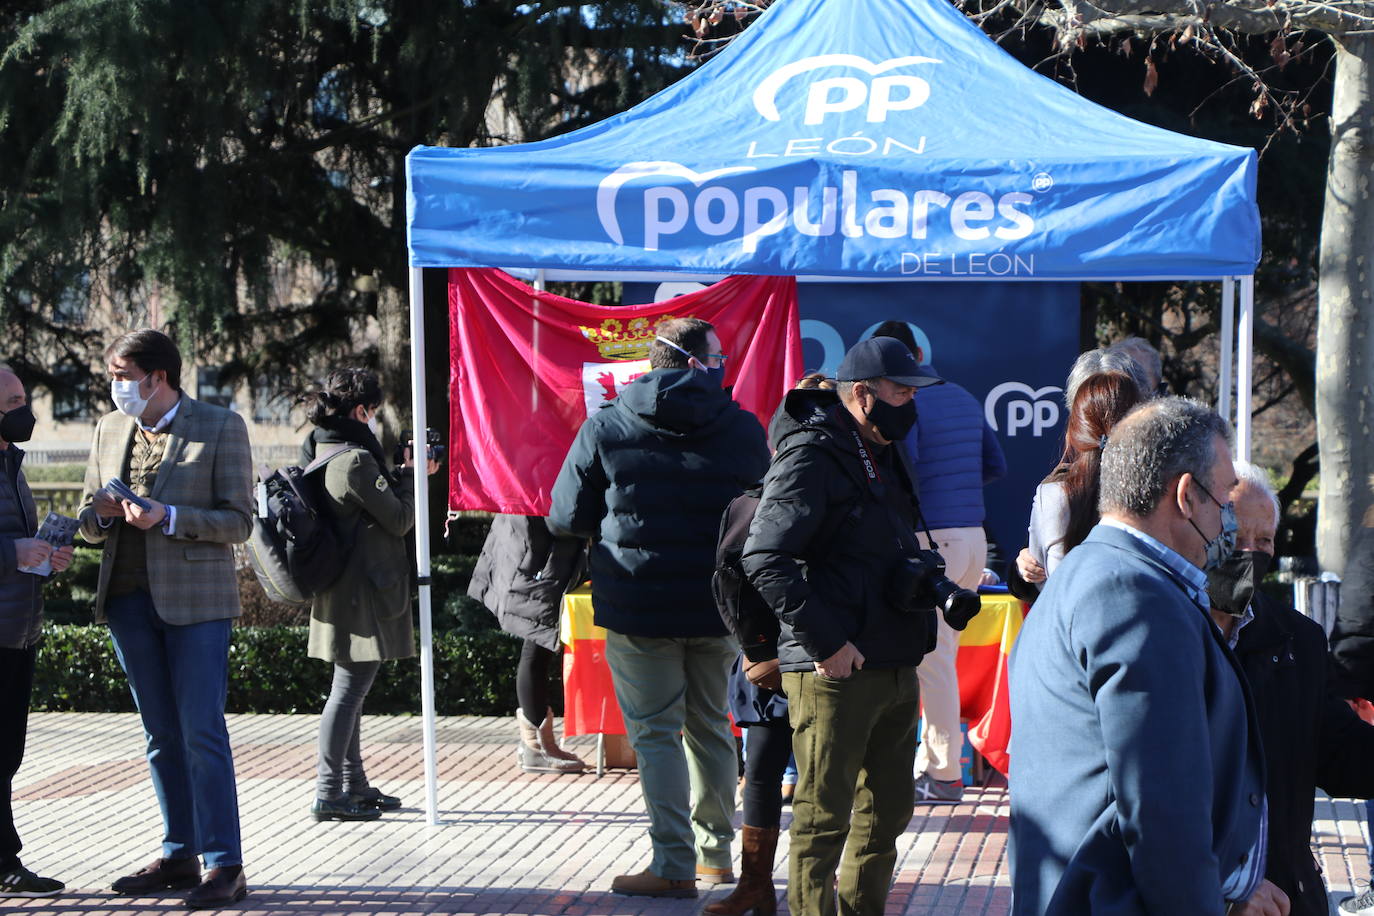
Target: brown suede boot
552, 748
531, 755
755, 890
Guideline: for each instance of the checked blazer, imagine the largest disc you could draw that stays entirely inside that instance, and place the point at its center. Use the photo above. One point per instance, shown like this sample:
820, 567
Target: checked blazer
206, 473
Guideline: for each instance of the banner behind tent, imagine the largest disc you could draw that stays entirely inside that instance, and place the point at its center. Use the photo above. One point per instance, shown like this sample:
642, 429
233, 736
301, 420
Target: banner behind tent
528, 367
1009, 344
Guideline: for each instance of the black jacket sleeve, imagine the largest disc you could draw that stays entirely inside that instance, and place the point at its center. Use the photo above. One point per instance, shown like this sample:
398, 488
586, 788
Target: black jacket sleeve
1345, 747
753, 451
1345, 742
797, 496
1352, 638
579, 493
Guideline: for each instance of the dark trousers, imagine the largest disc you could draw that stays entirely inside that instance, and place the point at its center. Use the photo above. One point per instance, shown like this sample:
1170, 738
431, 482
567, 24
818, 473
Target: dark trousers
16, 685
766, 754
341, 770
855, 741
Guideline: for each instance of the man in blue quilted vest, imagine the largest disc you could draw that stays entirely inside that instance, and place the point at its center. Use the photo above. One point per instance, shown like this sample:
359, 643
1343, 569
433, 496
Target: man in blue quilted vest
954, 454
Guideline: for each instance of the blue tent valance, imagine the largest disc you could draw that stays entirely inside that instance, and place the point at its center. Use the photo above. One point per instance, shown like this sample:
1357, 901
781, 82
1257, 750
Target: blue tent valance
886, 139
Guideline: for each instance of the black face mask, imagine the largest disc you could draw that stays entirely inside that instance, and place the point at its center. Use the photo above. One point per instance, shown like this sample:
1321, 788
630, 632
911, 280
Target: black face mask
892, 423
17, 424
1231, 585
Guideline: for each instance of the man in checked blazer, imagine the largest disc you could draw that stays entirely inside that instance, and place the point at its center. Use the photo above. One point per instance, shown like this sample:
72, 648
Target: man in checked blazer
169, 594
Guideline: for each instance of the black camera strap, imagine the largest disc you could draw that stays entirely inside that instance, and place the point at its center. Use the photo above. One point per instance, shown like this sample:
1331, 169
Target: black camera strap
871, 470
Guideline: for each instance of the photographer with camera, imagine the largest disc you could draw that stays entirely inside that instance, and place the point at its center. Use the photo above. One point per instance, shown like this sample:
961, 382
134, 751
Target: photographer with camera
363, 618
833, 551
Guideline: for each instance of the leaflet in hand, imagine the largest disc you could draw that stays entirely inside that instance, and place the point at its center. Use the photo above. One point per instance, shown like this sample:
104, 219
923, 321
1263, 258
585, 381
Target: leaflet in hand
120, 490
57, 530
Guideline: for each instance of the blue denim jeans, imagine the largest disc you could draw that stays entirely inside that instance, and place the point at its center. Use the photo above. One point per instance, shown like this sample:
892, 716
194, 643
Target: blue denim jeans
179, 676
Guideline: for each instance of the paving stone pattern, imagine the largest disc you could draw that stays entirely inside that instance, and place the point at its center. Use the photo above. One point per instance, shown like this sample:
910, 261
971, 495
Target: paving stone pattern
509, 842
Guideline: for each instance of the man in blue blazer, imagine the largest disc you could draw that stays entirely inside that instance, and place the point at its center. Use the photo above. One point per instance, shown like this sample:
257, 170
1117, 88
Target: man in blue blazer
1137, 782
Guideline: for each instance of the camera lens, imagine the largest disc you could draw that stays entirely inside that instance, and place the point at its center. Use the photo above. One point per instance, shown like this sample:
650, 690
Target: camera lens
959, 605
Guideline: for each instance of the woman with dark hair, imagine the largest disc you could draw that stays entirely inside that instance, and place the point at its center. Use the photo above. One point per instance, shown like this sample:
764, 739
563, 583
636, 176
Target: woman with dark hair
1065, 507
521, 576
363, 618
759, 706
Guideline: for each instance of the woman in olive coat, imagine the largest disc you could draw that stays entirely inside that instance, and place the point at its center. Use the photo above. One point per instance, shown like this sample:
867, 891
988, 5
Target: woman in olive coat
364, 617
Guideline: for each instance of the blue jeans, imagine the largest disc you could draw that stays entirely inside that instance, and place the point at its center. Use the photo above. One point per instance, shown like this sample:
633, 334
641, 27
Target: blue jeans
179, 676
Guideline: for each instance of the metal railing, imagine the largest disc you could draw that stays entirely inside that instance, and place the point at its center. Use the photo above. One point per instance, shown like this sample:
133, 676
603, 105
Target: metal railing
1318, 597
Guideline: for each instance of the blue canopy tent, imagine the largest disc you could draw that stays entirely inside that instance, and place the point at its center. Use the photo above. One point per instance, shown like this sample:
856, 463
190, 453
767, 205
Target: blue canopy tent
876, 141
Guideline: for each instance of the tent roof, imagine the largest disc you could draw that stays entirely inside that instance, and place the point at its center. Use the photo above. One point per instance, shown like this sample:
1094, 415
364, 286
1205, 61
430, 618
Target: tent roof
881, 140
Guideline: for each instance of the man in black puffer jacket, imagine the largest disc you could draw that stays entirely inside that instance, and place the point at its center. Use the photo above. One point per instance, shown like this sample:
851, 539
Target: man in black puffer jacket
837, 516
647, 479
21, 623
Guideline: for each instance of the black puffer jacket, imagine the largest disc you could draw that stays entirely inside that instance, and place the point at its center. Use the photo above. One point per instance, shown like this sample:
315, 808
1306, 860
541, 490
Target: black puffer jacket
648, 477
1352, 638
522, 574
824, 542
1310, 737
21, 598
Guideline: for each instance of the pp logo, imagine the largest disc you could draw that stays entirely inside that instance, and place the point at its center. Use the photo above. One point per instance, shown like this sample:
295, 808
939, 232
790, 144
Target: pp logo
881, 94
1035, 409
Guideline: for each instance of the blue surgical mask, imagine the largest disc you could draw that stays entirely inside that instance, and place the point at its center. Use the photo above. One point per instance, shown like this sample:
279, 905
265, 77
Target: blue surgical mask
1219, 548
714, 373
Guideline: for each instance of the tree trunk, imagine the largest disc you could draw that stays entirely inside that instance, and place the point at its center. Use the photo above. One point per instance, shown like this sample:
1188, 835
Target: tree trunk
1345, 348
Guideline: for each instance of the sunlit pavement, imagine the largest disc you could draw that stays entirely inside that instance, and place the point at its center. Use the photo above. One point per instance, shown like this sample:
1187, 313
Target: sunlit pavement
508, 842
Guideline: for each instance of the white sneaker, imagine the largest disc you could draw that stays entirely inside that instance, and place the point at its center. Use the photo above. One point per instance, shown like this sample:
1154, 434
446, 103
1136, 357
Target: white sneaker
1360, 905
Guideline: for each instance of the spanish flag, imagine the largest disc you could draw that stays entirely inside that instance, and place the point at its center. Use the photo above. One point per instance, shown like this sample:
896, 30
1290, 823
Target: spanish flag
984, 647
589, 705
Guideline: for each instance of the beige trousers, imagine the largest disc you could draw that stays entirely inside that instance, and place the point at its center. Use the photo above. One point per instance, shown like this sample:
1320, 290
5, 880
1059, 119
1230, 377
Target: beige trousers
965, 551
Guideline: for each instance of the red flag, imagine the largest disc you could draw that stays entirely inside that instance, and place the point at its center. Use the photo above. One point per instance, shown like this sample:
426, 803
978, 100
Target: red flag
527, 367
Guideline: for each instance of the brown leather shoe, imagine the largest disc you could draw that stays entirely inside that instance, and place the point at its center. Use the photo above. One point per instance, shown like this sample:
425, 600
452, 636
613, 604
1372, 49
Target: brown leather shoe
648, 884
708, 875
222, 886
160, 875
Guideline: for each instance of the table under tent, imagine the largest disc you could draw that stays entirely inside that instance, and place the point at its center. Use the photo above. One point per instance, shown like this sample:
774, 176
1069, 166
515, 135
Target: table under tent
889, 140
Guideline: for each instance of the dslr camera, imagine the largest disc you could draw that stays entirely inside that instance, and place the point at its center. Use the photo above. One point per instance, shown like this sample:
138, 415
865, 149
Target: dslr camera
434, 446
918, 582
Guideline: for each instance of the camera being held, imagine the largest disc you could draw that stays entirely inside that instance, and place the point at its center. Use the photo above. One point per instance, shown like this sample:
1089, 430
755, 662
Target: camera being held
434, 446
918, 582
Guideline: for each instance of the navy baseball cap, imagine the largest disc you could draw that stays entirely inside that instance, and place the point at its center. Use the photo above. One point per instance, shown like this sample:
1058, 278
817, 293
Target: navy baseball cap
883, 357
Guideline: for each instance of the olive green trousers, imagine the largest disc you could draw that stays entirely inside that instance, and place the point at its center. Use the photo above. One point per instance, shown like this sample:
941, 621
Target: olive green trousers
855, 742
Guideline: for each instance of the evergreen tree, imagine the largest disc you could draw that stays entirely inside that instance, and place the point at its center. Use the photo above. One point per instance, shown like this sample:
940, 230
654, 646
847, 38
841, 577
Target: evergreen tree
237, 166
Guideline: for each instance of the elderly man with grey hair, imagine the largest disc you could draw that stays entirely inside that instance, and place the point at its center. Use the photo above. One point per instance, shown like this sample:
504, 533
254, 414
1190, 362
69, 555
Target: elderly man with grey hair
1145, 356
1137, 784
1311, 738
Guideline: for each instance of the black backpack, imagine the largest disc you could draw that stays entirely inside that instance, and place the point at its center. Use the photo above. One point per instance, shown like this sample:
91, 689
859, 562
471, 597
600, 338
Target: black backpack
295, 548
745, 614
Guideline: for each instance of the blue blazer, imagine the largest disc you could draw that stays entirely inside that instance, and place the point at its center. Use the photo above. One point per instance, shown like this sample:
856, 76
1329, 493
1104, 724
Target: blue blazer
1136, 769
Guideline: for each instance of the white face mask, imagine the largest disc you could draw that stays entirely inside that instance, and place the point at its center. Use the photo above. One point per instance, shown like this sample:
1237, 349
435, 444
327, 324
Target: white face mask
374, 425
126, 398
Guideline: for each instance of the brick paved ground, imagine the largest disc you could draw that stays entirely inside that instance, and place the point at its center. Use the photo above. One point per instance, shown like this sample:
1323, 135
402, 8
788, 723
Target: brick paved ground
509, 842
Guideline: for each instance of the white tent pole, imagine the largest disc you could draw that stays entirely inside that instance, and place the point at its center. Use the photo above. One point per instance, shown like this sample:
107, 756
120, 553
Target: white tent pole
1228, 346
418, 424
1244, 367
534, 337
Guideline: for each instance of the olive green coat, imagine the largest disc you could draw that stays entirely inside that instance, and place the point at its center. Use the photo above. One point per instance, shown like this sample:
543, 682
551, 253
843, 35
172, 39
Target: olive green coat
365, 615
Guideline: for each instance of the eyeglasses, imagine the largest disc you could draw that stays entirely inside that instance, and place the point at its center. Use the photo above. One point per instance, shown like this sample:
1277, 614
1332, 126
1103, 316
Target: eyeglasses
720, 356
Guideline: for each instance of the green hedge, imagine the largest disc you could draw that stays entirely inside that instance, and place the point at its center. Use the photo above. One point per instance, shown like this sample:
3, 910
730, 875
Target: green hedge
269, 672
